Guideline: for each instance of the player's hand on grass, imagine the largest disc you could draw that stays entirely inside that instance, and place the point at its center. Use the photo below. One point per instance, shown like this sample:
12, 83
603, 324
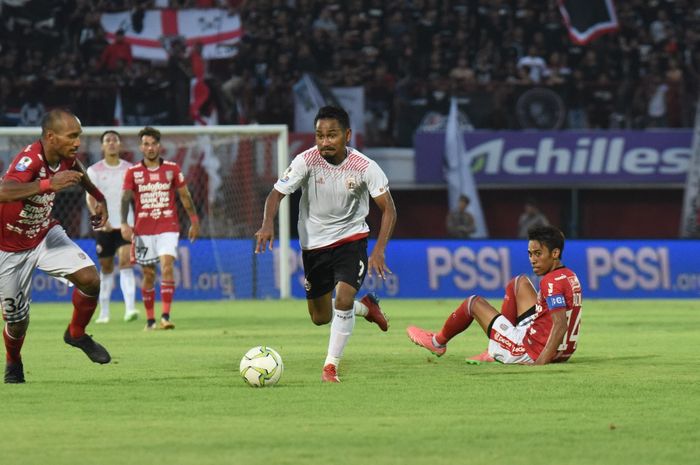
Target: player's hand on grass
264, 238
64, 179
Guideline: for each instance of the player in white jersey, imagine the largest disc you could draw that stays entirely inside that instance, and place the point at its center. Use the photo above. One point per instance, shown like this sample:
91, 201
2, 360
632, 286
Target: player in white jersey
108, 175
336, 183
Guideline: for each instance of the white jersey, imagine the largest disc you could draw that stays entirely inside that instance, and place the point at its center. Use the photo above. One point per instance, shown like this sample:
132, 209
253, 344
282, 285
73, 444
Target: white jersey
110, 180
335, 198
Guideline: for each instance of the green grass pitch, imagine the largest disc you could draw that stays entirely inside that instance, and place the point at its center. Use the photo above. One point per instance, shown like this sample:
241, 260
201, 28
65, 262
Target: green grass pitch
630, 395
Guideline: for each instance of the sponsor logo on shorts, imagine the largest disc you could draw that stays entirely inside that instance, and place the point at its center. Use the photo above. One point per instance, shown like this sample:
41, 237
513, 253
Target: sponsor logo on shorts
507, 344
82, 256
307, 285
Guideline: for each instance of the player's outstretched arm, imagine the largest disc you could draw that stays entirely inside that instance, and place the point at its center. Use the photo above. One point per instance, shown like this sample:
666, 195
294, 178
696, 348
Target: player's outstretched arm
266, 234
376, 263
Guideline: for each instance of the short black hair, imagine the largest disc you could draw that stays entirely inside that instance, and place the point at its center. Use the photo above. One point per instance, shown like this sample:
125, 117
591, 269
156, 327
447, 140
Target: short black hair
109, 131
550, 236
336, 113
149, 131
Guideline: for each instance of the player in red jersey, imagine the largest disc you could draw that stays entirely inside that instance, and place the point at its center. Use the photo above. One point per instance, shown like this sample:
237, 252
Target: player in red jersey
30, 238
532, 328
151, 185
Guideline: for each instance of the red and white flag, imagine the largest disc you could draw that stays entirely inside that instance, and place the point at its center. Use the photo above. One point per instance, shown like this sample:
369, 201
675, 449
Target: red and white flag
217, 29
586, 20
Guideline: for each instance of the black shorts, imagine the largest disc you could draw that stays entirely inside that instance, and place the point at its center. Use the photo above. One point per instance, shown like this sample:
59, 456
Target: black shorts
325, 268
107, 243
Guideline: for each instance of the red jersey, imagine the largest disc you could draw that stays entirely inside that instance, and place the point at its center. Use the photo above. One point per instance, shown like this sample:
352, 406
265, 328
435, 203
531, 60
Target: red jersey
26, 222
560, 291
154, 189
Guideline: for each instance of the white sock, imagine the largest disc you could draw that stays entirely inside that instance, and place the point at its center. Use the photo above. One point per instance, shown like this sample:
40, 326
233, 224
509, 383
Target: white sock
358, 307
106, 286
128, 284
341, 329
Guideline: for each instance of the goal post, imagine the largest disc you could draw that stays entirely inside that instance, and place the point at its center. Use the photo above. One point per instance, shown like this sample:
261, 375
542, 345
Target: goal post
229, 170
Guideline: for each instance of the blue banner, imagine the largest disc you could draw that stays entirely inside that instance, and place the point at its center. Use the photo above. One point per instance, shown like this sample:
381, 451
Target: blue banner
606, 269
214, 269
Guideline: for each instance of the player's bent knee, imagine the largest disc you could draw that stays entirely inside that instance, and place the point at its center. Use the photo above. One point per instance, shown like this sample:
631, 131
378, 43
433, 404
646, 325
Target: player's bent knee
87, 280
320, 320
469, 302
17, 329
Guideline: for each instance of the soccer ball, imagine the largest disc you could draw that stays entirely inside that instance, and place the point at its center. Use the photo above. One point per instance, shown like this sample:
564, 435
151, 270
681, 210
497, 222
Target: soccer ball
261, 366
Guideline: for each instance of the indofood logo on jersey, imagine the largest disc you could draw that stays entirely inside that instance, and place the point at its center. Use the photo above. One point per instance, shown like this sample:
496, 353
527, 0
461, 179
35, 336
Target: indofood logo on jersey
586, 157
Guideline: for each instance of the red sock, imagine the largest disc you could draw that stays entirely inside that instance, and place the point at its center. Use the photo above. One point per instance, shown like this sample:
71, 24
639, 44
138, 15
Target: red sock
83, 308
149, 297
167, 289
13, 347
509, 307
457, 322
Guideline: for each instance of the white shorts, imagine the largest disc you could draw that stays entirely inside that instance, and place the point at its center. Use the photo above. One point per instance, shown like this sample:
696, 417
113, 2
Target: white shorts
505, 341
57, 255
147, 250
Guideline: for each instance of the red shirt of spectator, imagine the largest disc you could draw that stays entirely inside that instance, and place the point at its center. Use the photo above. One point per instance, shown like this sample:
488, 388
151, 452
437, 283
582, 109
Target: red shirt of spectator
116, 51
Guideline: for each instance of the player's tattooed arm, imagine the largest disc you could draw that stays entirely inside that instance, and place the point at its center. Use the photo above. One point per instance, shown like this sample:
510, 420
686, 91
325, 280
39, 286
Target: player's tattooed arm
126, 230
188, 204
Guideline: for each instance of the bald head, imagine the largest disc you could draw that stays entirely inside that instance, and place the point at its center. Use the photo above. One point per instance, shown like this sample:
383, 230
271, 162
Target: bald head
56, 120
60, 135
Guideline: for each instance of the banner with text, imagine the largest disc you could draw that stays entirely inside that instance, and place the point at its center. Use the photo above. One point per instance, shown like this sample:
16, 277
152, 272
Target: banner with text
640, 269
565, 157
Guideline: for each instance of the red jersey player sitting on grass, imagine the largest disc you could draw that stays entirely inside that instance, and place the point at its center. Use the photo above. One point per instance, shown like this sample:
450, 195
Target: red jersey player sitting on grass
533, 328
30, 238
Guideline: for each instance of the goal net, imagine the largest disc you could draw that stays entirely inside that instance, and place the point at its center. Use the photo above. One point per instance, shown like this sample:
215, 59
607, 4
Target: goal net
229, 172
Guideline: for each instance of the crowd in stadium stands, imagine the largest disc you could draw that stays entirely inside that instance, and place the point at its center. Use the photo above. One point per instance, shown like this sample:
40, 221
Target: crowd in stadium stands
410, 56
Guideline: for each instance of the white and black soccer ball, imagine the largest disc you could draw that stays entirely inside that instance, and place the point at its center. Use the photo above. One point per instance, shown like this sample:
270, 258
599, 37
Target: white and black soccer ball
261, 366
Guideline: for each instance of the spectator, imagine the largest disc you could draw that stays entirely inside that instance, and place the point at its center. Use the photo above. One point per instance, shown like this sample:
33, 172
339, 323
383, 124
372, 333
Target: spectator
119, 50
179, 74
531, 217
494, 48
460, 223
